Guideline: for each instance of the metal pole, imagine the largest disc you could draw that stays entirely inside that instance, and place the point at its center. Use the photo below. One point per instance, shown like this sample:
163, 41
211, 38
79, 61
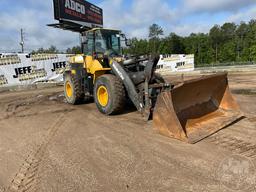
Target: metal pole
22, 40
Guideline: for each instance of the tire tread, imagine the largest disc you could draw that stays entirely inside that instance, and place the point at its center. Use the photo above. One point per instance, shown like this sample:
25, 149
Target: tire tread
118, 94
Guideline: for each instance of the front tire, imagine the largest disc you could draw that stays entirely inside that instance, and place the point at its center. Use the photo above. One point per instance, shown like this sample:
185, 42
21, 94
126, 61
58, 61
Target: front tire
109, 94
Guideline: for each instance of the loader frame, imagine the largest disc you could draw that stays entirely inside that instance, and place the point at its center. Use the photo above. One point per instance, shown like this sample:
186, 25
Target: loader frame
189, 111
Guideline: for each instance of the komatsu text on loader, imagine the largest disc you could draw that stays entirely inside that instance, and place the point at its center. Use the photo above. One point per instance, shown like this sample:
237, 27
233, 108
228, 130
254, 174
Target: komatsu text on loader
189, 111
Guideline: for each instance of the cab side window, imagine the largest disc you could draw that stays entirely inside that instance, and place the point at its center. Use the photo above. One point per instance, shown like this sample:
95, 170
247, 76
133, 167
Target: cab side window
89, 46
100, 45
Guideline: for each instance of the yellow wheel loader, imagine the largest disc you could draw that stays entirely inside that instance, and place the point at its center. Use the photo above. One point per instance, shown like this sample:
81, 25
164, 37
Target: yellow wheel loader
189, 111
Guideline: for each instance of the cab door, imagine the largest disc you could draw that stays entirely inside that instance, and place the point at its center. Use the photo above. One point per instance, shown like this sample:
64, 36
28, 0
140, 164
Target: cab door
89, 44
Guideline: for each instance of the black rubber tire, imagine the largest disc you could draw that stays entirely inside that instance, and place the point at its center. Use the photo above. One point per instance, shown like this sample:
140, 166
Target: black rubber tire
77, 92
116, 94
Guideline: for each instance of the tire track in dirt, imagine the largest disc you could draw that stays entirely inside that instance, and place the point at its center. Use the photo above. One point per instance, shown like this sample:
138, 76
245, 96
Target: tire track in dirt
10, 109
15, 108
27, 177
236, 145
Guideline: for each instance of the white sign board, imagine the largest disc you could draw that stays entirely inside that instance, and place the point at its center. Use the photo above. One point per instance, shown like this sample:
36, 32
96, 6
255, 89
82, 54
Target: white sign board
24, 69
175, 63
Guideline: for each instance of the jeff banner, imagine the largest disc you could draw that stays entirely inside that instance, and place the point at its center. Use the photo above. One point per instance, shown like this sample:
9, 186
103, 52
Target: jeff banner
25, 69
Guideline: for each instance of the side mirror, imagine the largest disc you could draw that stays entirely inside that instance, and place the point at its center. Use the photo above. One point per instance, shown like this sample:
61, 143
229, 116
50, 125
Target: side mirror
84, 39
128, 42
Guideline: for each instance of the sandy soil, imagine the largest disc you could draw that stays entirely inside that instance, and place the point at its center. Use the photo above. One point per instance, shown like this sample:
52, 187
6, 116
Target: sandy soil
48, 145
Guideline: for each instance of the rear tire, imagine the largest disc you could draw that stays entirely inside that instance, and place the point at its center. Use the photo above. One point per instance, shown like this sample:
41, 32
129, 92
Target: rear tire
73, 90
109, 94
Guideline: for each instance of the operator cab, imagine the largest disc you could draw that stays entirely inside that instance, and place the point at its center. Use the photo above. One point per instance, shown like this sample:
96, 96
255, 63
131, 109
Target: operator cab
102, 42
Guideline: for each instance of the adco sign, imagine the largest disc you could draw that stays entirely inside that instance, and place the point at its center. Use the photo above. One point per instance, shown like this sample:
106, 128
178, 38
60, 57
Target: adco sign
78, 11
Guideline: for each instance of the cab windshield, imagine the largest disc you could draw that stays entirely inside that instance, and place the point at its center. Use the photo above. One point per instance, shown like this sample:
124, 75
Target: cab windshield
108, 42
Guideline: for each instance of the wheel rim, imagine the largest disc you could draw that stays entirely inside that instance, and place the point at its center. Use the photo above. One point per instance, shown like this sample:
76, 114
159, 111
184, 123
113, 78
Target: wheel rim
102, 95
68, 89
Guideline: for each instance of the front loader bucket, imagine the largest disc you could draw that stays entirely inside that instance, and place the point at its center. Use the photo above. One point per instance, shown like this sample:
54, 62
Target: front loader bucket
196, 109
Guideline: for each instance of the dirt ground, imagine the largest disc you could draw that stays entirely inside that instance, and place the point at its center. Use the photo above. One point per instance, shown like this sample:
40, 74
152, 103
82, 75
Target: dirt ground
48, 145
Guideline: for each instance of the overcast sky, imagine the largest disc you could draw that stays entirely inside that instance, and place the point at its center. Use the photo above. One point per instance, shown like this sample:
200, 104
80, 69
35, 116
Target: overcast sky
132, 16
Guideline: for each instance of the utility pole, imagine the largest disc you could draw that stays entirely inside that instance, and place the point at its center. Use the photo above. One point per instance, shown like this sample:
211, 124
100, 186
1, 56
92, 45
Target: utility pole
22, 40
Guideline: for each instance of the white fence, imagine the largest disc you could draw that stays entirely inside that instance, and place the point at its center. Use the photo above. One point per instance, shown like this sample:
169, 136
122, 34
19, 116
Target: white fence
175, 63
25, 69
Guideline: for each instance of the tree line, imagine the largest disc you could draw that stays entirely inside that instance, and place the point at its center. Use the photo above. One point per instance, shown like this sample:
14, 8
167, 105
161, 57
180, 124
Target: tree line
53, 50
226, 43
